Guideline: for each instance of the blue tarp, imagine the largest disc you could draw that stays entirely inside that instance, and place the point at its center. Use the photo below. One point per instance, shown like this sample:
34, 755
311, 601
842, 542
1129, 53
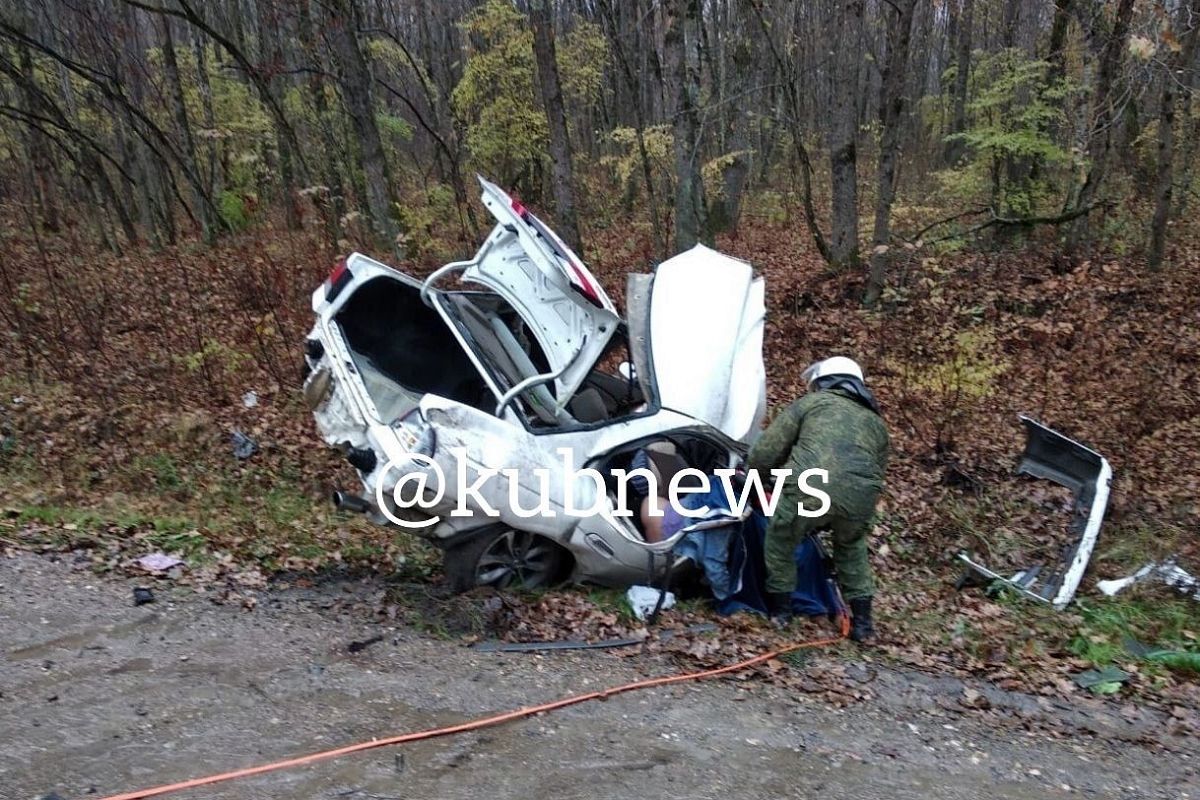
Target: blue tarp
732, 559
814, 595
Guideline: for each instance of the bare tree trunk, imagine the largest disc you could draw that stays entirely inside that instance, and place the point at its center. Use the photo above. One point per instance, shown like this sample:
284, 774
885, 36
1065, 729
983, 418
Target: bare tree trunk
725, 210
1189, 24
175, 84
562, 170
691, 211
213, 183
1191, 142
333, 203
1103, 119
656, 225
955, 148
890, 111
167, 195
1058, 38
354, 78
271, 52
125, 68
802, 164
438, 97
1018, 170
42, 165
843, 141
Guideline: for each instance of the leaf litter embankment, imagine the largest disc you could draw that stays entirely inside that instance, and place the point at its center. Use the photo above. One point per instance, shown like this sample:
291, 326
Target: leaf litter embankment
120, 443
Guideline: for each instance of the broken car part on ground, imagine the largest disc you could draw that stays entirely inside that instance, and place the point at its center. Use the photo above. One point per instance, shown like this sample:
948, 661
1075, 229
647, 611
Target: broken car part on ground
1166, 572
1048, 454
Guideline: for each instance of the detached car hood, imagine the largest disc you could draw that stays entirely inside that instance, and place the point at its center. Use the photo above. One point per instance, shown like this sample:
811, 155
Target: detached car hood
706, 338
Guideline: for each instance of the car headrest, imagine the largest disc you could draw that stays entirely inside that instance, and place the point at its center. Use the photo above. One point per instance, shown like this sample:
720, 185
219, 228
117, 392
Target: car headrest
588, 406
665, 461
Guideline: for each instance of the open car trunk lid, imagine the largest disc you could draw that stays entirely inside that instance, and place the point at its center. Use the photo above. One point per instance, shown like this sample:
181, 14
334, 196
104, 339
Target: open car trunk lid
706, 336
562, 303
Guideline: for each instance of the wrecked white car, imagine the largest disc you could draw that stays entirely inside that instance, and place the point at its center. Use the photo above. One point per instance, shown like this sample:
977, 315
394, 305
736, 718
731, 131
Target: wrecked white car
523, 364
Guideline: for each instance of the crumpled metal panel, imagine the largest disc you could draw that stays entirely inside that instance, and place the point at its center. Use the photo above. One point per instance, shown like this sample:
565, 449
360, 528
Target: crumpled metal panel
1050, 455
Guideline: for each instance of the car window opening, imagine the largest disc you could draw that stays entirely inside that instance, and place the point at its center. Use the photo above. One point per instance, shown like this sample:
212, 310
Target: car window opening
512, 354
402, 350
667, 456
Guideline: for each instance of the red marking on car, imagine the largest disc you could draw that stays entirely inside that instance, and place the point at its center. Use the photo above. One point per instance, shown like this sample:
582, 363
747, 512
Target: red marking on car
589, 291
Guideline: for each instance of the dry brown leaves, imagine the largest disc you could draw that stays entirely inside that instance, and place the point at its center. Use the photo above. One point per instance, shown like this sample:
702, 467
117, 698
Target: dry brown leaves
1103, 351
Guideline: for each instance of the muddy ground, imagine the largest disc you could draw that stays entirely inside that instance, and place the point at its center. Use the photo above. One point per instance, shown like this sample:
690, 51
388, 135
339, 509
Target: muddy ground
98, 696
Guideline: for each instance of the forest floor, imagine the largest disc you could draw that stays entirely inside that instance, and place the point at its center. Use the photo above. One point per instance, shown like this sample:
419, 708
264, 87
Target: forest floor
98, 696
129, 376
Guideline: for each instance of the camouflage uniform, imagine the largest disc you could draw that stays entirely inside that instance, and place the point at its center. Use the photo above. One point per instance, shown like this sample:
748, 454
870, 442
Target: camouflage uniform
827, 430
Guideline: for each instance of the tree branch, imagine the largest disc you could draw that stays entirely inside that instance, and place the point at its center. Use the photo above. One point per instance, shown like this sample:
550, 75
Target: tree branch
187, 13
998, 221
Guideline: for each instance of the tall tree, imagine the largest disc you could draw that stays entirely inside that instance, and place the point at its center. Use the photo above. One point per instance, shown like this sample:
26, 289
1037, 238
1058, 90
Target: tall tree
962, 72
354, 80
789, 73
734, 70
843, 135
270, 44
212, 182
334, 198
891, 109
1180, 57
40, 164
1102, 121
629, 74
562, 168
683, 70
179, 109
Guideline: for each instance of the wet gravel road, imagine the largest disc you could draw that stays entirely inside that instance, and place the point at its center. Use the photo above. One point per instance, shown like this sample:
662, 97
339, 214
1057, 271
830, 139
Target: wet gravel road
98, 696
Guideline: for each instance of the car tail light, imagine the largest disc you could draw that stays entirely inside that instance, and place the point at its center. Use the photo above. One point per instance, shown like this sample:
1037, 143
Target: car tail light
338, 278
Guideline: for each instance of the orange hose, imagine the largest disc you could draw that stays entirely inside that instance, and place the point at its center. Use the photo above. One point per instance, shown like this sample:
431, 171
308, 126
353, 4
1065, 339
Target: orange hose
476, 724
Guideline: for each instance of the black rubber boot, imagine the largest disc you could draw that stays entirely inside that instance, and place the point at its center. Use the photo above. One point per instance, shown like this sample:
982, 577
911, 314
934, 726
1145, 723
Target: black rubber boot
779, 607
862, 629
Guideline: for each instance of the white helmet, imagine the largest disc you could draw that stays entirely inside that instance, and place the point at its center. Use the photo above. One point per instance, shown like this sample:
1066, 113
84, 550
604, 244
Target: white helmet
837, 365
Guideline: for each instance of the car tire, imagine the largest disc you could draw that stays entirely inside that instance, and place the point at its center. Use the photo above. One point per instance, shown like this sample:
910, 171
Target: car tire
504, 558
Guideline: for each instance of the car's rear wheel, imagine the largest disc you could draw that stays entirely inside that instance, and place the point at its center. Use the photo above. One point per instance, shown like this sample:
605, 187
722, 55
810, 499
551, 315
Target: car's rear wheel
504, 558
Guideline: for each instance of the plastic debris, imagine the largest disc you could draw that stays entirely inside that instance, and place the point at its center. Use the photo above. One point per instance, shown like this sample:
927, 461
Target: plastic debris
159, 562
644, 599
1102, 681
142, 596
243, 445
1166, 571
250, 399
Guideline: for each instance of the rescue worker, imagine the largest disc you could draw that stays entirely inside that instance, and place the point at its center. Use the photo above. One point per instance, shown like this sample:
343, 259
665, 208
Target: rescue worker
836, 426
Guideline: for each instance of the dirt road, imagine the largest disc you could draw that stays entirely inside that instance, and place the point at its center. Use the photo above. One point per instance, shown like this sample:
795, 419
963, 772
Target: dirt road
98, 696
